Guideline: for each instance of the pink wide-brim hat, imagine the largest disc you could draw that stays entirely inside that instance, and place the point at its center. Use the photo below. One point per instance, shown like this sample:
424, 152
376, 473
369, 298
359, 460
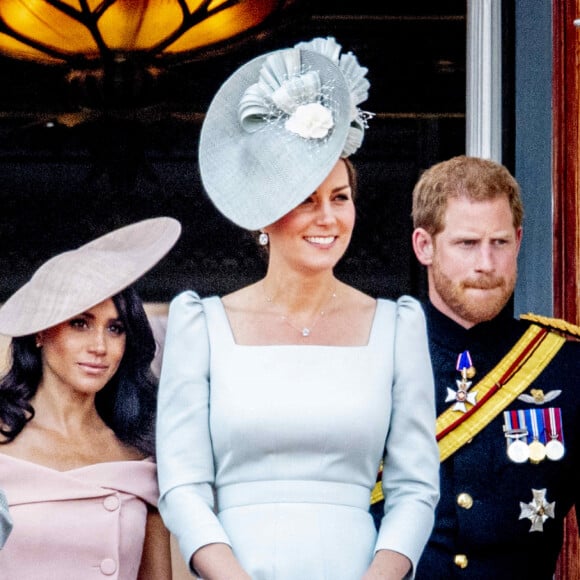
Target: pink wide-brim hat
75, 281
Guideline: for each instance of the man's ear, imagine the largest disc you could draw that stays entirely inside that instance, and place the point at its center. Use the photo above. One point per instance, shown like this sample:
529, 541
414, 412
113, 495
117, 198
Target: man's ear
519, 234
423, 246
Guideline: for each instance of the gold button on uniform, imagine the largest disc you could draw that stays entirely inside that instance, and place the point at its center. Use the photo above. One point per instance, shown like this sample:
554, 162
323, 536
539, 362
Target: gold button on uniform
460, 560
464, 500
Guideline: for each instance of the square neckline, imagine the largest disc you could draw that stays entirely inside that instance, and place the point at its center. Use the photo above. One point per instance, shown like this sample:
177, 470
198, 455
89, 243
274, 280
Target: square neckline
379, 306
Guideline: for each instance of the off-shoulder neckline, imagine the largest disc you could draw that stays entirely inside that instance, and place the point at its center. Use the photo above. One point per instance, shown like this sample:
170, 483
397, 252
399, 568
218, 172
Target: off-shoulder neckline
148, 459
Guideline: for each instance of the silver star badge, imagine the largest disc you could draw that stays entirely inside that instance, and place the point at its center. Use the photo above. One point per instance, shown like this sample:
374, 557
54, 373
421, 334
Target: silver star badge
461, 396
538, 510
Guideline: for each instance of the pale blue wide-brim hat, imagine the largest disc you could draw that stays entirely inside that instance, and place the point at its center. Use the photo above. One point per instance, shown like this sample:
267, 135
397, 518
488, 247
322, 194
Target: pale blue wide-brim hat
276, 128
73, 282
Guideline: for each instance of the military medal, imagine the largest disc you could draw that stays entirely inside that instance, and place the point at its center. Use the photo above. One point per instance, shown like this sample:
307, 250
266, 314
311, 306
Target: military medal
538, 430
555, 446
554, 450
535, 424
518, 451
538, 510
537, 451
517, 448
462, 396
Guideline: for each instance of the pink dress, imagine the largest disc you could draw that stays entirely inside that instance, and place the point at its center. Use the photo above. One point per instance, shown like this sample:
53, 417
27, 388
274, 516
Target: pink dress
81, 524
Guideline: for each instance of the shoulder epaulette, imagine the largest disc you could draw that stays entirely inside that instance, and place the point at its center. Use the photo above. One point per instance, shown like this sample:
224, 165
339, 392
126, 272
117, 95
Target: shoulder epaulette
556, 324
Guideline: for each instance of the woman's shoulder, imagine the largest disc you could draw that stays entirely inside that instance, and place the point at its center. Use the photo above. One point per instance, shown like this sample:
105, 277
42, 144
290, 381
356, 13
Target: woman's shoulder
356, 298
190, 303
128, 452
242, 298
243, 303
404, 302
186, 298
405, 311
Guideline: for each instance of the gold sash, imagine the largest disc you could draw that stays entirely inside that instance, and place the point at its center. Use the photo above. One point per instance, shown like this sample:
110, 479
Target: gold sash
500, 387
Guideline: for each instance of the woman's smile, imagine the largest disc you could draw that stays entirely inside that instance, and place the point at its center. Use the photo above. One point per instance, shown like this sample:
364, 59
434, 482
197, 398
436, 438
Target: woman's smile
321, 240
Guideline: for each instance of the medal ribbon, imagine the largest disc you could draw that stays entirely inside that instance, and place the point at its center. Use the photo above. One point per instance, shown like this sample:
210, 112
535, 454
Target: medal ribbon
553, 423
516, 432
534, 419
514, 373
510, 425
514, 422
463, 361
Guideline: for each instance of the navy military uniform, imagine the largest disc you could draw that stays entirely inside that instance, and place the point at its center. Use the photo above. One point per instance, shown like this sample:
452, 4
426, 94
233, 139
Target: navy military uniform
483, 520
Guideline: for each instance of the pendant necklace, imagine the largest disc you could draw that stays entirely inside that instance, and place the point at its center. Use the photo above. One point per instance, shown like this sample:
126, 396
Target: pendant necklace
305, 331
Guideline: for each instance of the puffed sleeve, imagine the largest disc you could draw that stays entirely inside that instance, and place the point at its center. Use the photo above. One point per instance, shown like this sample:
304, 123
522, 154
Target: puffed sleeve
184, 451
411, 466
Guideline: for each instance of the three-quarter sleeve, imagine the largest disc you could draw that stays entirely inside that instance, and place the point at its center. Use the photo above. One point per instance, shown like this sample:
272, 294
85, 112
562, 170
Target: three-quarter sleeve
184, 450
411, 465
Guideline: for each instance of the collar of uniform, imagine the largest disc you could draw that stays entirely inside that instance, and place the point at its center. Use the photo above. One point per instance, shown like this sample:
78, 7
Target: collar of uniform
448, 333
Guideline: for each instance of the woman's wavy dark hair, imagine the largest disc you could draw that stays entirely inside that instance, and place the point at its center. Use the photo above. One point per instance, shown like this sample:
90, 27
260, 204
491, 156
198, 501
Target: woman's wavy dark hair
126, 403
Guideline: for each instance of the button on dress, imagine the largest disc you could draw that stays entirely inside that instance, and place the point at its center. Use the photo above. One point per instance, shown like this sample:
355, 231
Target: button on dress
82, 524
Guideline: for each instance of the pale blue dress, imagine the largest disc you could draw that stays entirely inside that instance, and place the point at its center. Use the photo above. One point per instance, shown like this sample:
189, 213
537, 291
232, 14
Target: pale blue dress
288, 439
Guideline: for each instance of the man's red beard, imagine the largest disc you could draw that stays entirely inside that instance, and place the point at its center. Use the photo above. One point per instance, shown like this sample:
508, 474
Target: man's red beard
468, 308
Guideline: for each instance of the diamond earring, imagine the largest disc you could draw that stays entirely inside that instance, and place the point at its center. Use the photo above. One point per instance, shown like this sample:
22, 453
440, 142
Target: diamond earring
263, 239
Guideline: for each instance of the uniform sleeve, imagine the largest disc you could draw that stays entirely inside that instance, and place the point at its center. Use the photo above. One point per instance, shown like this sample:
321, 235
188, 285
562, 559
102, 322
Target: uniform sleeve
411, 466
184, 451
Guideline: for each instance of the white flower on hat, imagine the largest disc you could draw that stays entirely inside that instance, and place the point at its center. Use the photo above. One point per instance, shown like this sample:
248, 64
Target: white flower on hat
355, 76
285, 91
310, 121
